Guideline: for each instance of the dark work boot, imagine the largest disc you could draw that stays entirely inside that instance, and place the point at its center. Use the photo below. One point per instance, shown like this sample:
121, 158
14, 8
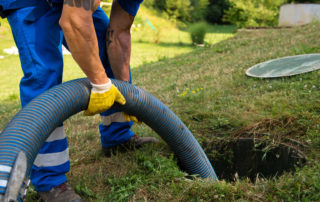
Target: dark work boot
133, 143
62, 193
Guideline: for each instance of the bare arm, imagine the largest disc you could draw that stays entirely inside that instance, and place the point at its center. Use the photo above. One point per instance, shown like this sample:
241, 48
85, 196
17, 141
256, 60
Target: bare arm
77, 25
119, 41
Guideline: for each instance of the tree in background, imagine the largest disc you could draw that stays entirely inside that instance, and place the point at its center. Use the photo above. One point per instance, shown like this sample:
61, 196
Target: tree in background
179, 9
199, 10
216, 10
182, 10
243, 13
303, 1
253, 13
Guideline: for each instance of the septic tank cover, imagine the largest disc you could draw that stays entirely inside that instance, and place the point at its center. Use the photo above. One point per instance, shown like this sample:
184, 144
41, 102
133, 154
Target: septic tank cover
287, 66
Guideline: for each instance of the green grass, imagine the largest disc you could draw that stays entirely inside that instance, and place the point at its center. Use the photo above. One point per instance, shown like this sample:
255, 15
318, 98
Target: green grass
208, 89
167, 38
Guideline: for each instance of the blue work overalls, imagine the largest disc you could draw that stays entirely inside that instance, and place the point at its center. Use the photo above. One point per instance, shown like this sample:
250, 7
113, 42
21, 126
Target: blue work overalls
39, 38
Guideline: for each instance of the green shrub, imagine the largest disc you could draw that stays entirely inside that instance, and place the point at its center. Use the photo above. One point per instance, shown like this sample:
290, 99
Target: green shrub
253, 13
198, 32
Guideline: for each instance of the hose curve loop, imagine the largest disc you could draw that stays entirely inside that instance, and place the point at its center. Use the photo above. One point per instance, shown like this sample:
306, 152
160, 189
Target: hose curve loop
29, 129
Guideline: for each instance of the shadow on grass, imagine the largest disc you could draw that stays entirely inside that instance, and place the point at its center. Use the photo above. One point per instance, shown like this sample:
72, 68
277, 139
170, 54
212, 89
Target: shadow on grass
166, 44
221, 29
217, 29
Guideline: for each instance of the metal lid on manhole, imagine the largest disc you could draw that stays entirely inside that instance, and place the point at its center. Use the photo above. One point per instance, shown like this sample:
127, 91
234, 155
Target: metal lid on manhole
287, 66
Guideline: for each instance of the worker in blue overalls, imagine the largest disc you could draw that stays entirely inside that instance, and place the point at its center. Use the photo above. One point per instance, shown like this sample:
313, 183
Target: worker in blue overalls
100, 47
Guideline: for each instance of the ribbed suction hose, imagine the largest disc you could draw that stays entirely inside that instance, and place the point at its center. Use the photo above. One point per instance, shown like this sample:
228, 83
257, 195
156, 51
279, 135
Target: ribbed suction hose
29, 129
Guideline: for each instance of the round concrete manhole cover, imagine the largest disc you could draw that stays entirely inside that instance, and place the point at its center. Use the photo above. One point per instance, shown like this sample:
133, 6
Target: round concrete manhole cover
287, 66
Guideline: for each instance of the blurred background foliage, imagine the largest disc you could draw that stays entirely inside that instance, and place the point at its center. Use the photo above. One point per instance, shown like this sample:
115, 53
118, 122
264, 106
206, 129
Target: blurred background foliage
194, 15
253, 13
243, 13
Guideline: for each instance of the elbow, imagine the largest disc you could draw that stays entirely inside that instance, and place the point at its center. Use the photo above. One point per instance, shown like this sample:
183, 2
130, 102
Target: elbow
119, 41
119, 38
125, 39
77, 26
65, 24
70, 23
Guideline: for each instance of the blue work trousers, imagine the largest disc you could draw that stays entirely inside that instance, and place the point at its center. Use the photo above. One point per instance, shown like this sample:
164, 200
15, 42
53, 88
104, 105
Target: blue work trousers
40, 49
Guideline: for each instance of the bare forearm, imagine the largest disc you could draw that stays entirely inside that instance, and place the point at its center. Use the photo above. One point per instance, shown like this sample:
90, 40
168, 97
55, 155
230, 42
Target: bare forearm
119, 51
78, 29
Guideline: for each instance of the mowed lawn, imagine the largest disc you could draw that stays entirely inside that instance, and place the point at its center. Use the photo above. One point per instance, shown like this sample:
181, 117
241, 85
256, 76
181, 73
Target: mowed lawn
208, 89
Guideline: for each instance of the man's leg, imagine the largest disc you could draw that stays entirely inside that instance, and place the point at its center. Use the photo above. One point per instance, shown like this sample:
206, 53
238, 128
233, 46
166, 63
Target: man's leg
39, 45
114, 129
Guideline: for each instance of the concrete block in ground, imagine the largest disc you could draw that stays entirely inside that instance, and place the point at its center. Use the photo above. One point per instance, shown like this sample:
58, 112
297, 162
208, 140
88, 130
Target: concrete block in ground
298, 14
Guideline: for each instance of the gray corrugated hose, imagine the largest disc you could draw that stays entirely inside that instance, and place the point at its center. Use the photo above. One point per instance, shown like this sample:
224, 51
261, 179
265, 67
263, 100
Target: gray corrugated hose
29, 129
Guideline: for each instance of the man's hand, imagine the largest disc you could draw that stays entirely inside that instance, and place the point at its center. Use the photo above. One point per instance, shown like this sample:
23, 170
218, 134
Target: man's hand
103, 97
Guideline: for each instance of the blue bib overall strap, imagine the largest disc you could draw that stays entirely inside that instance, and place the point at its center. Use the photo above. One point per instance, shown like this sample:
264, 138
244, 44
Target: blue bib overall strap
41, 7
130, 6
6, 6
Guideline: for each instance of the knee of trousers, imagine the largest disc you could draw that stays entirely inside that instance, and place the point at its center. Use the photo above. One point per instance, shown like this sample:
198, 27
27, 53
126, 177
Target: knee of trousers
37, 79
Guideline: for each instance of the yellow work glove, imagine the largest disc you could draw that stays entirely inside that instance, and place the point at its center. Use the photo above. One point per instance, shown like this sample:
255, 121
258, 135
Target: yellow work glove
128, 118
103, 97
